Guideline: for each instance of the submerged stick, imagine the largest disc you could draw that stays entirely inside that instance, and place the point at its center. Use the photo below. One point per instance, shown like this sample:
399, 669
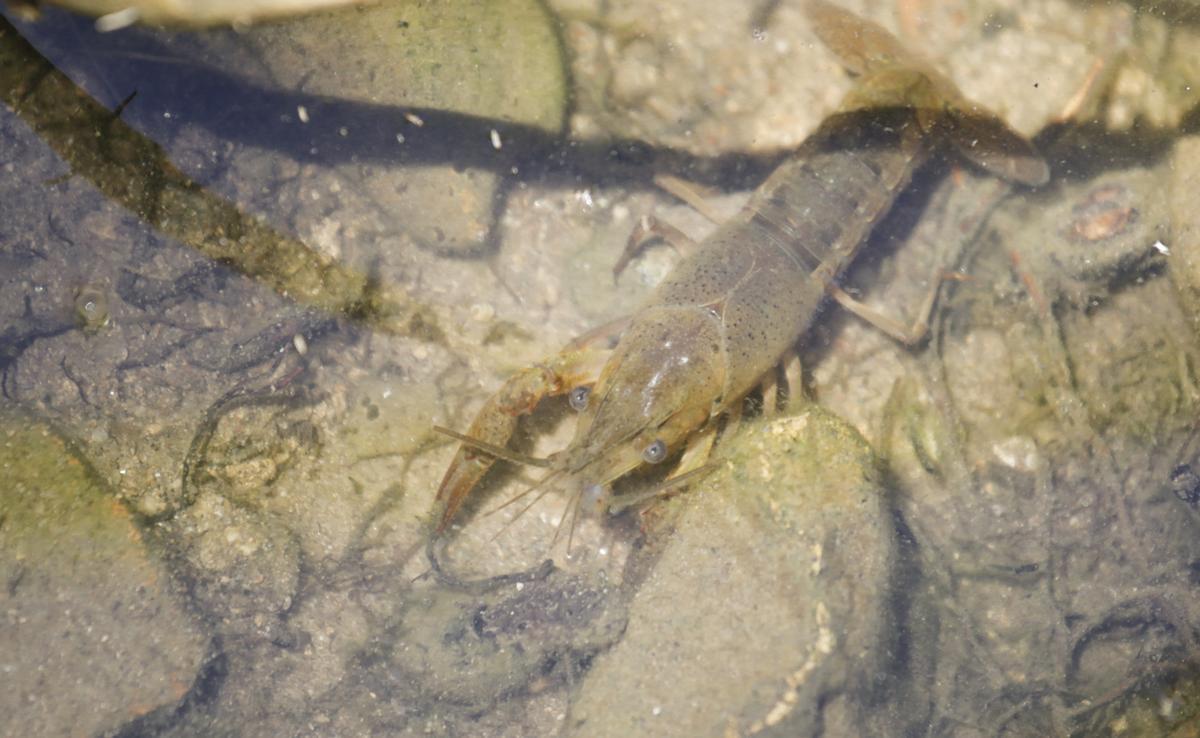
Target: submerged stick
136, 173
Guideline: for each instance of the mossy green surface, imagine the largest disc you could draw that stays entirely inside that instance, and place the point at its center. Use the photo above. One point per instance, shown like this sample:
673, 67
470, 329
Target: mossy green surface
92, 633
52, 502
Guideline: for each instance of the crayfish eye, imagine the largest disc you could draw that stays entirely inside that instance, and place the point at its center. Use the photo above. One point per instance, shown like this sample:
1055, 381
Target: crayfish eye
655, 452
578, 398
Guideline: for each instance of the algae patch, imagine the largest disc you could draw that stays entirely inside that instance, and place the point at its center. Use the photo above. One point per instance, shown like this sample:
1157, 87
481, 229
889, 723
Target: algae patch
82, 596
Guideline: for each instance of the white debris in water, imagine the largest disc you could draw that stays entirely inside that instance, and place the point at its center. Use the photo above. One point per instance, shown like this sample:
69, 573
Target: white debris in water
118, 20
1161, 248
482, 312
496, 142
326, 235
302, 113
1017, 452
1166, 707
300, 344
414, 119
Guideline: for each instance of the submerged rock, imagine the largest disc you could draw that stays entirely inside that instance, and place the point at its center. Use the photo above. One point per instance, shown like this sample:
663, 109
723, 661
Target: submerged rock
769, 601
499, 59
92, 632
1185, 227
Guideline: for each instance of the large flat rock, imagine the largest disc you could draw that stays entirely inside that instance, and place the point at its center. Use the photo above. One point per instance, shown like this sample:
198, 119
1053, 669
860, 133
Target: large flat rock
91, 632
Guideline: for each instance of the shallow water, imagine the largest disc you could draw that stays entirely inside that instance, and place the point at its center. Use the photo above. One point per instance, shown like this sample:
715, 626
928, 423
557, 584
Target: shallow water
234, 312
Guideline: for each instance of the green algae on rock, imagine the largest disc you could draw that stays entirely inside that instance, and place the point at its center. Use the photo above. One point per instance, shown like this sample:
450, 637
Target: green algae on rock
93, 632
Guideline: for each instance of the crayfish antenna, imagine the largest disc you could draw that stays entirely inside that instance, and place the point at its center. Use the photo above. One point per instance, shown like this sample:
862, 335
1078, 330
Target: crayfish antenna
499, 452
572, 511
542, 487
623, 503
